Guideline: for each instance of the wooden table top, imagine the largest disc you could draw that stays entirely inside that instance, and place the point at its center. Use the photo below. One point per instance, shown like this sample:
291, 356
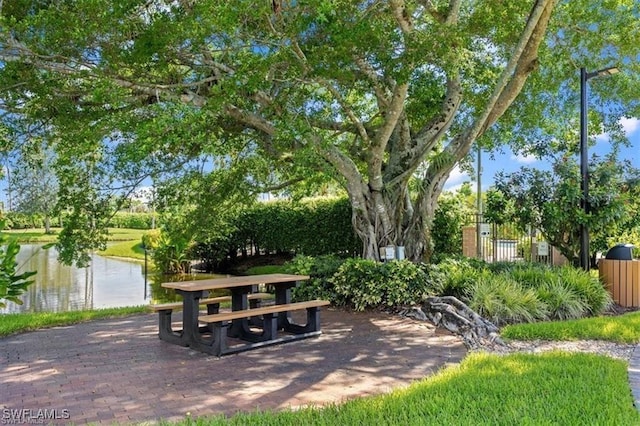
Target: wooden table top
229, 282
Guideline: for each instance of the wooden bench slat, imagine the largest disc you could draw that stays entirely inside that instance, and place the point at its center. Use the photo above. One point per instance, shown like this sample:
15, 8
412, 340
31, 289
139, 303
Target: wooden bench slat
272, 309
208, 301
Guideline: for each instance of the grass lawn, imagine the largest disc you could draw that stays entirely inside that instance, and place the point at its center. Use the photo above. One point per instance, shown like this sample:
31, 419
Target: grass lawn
518, 389
619, 329
126, 243
17, 323
486, 389
37, 235
126, 249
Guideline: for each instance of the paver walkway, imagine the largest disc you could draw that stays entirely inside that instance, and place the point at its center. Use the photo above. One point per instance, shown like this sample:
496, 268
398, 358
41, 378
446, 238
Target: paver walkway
634, 376
119, 371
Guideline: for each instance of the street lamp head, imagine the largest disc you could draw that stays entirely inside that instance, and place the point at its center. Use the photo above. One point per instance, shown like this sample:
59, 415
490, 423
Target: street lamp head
603, 72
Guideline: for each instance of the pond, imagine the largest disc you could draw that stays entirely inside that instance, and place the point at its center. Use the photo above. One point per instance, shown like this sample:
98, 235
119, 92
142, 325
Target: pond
106, 283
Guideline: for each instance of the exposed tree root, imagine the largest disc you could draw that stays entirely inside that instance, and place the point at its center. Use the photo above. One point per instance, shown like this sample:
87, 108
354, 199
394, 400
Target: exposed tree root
452, 314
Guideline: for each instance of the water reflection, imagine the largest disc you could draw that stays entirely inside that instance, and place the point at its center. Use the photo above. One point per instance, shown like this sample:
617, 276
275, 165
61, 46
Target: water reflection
106, 283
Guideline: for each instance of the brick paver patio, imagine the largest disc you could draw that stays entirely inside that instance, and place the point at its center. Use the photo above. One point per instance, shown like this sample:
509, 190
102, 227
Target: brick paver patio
119, 371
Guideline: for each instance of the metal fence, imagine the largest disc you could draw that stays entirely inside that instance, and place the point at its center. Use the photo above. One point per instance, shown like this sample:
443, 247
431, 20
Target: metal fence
508, 242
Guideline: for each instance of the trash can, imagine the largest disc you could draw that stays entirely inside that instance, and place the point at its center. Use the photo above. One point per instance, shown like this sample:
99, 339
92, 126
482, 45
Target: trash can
620, 252
620, 273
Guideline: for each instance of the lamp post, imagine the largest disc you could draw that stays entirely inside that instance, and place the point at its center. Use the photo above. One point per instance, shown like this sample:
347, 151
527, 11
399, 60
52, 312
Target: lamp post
479, 218
584, 158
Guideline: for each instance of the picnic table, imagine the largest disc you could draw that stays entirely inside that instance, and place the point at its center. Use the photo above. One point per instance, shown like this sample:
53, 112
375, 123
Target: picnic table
251, 323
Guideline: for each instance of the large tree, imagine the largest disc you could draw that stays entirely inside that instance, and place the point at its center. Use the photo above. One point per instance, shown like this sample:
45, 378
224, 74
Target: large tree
32, 185
371, 94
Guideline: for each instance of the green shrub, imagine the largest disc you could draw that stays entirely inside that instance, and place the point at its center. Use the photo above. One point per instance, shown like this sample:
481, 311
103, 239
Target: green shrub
320, 269
17, 220
312, 227
131, 220
171, 255
368, 284
459, 275
360, 282
151, 239
12, 284
451, 216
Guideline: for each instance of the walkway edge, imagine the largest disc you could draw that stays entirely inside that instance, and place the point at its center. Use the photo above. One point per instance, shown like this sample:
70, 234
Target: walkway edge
634, 376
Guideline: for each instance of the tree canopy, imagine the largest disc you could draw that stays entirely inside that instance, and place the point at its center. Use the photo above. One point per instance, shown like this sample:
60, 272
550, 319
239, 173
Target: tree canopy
368, 94
549, 200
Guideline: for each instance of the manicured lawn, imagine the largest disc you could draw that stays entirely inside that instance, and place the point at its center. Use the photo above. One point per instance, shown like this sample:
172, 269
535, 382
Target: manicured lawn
518, 389
126, 249
25, 236
620, 329
37, 235
485, 389
126, 243
16, 323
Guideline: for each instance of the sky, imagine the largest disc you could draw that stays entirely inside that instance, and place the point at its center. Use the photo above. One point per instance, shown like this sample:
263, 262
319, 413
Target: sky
509, 162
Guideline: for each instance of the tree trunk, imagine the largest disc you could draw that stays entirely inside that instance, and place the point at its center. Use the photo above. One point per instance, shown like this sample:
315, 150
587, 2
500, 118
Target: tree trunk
394, 218
47, 224
380, 221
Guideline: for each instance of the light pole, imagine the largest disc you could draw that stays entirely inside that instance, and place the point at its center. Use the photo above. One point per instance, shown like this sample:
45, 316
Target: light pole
479, 218
584, 159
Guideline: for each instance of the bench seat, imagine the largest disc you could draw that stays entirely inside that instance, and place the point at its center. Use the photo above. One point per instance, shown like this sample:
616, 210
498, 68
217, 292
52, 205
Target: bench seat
274, 318
271, 309
209, 301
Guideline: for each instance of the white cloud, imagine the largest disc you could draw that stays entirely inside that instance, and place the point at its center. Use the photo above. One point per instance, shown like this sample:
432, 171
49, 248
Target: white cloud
524, 159
630, 125
456, 178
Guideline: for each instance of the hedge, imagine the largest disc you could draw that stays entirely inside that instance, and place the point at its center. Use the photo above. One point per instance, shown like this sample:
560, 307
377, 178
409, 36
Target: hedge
314, 227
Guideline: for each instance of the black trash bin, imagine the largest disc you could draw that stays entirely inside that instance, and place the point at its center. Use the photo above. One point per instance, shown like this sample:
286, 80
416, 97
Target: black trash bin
620, 252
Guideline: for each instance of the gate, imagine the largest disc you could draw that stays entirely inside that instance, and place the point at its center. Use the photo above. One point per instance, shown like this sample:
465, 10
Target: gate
506, 242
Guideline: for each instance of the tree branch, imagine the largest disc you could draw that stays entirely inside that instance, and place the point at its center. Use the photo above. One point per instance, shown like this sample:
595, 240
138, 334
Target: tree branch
382, 94
398, 8
347, 110
522, 63
251, 120
404, 164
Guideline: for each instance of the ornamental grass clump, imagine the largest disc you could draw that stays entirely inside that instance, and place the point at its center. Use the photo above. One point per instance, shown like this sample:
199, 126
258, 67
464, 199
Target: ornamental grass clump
562, 300
590, 288
567, 291
459, 276
508, 293
503, 300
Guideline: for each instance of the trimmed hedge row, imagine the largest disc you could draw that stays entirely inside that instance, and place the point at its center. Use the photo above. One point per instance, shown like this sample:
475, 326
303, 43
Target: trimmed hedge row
314, 227
131, 220
18, 220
